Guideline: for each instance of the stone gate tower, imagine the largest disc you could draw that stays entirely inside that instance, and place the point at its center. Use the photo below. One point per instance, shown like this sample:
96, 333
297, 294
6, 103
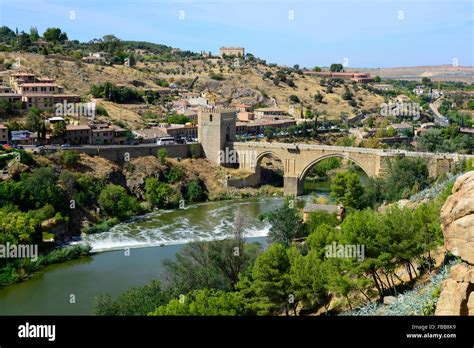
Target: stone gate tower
216, 130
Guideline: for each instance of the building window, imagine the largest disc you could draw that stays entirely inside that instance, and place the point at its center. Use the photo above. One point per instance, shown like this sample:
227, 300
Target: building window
210, 118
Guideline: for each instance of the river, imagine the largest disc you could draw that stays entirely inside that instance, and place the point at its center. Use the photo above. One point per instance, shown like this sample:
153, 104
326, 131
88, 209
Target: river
148, 240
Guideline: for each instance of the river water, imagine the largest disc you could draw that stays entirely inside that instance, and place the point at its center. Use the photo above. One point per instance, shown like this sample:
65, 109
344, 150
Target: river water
130, 255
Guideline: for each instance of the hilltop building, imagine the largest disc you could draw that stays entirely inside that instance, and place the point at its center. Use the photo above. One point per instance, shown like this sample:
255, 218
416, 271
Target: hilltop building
231, 51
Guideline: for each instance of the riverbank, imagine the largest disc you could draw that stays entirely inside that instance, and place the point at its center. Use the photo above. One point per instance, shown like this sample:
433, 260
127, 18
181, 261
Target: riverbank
106, 270
22, 269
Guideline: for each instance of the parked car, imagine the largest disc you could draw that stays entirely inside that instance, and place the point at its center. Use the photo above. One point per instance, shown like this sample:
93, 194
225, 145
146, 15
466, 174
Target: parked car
165, 141
66, 145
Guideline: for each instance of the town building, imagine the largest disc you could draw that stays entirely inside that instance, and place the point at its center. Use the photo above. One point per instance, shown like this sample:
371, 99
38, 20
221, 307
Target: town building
94, 60
47, 100
271, 113
78, 134
5, 89
149, 135
41, 92
120, 136
402, 127
101, 54
102, 134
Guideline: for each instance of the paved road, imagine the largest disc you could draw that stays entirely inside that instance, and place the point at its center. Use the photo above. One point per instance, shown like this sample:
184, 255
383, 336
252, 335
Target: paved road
438, 117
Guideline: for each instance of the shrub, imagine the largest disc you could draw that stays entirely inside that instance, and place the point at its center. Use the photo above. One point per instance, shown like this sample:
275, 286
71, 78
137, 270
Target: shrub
162, 154
115, 202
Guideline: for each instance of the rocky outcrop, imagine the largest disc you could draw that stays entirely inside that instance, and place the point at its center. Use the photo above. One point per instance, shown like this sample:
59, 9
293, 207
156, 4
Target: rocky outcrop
139, 170
457, 219
457, 223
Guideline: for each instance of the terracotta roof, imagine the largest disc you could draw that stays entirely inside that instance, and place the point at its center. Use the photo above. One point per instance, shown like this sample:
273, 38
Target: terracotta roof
270, 109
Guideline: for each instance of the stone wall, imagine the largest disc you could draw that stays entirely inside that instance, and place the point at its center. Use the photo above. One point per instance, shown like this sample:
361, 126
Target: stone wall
120, 153
250, 181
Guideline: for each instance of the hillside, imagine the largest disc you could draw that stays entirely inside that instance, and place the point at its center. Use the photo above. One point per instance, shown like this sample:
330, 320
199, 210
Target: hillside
251, 83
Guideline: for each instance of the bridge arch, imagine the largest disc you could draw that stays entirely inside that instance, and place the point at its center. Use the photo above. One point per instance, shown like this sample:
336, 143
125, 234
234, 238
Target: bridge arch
263, 154
273, 174
319, 159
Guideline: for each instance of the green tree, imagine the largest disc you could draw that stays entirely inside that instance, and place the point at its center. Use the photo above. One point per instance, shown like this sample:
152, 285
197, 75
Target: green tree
336, 68
34, 119
194, 191
59, 130
34, 34
205, 302
177, 119
158, 194
307, 279
40, 188
215, 264
175, 174
286, 224
347, 189
269, 290
402, 175
18, 227
136, 301
5, 108
115, 202
54, 35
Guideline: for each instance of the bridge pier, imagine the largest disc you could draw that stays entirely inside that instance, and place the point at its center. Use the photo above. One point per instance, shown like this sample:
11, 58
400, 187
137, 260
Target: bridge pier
293, 186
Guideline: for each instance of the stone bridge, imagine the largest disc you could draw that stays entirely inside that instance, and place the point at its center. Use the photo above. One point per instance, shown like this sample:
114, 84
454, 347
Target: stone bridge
298, 159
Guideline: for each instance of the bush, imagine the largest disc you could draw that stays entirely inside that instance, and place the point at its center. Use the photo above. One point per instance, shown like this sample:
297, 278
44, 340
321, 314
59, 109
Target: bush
68, 158
101, 227
115, 202
162, 154
194, 191
136, 301
101, 111
159, 194
175, 174
294, 99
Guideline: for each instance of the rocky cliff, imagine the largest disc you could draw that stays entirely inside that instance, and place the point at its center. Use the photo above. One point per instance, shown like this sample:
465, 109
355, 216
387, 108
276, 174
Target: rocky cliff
457, 223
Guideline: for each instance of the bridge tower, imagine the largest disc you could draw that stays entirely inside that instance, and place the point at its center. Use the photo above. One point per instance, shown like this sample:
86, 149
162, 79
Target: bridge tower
216, 131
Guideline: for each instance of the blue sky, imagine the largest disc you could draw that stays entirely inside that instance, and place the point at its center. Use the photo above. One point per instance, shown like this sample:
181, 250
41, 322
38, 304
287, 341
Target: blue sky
367, 33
